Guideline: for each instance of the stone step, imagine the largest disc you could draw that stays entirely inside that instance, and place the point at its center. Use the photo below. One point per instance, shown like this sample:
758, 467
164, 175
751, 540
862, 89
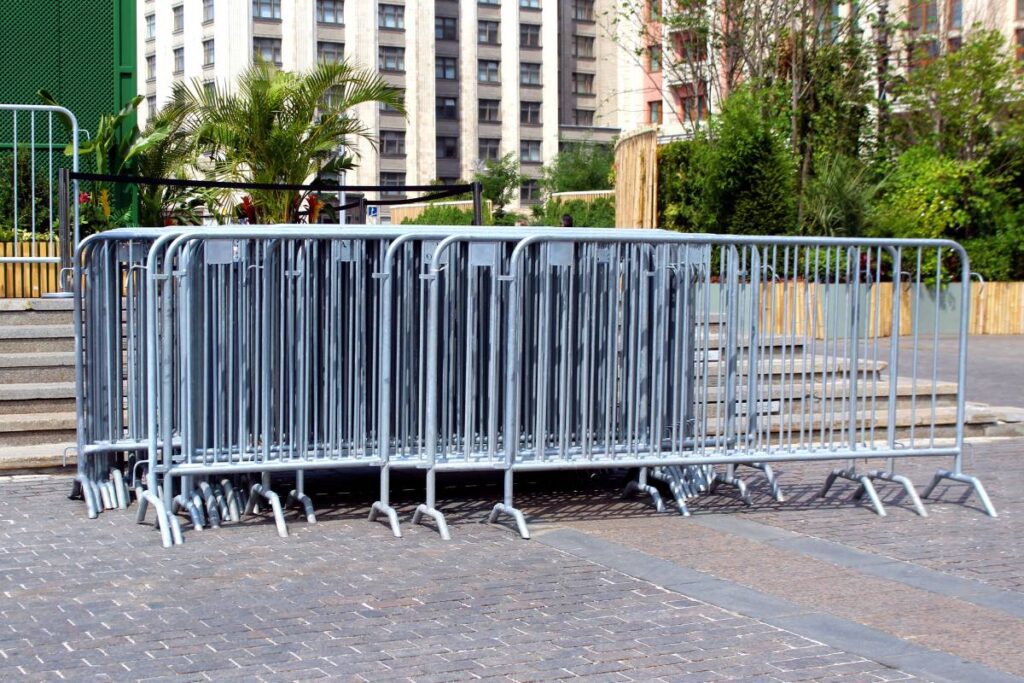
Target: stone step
35, 398
36, 311
25, 429
37, 456
36, 338
53, 366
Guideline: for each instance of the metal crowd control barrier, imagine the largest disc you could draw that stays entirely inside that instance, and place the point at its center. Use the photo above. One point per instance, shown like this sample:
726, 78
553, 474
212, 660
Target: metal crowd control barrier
249, 352
33, 139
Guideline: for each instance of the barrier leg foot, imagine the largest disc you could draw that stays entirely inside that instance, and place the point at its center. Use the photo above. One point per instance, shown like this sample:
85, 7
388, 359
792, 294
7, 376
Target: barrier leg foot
303, 501
378, 509
163, 519
908, 486
187, 504
773, 480
640, 485
674, 478
437, 515
515, 514
120, 490
867, 487
275, 505
205, 492
231, 498
91, 503
730, 479
829, 481
973, 482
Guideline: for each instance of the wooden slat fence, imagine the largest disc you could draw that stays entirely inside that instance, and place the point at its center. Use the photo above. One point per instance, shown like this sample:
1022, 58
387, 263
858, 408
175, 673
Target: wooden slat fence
28, 280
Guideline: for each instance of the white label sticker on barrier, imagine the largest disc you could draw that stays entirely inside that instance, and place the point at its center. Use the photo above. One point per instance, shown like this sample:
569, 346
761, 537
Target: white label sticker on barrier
560, 254
221, 251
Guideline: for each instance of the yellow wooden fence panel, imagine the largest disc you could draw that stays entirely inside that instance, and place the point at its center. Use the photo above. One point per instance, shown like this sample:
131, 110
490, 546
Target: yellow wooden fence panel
28, 280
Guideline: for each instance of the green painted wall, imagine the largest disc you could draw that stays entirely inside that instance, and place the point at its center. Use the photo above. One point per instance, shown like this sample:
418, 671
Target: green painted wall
82, 51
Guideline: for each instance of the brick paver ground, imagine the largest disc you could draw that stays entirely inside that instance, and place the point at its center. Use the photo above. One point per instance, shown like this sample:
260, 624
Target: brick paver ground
101, 600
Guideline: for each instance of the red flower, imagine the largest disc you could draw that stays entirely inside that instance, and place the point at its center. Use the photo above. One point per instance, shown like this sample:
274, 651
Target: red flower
83, 198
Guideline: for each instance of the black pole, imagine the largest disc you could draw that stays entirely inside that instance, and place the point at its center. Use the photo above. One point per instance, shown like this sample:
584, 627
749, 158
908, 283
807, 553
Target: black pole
478, 204
362, 210
64, 227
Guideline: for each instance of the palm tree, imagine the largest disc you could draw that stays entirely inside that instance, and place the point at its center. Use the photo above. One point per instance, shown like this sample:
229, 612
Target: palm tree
279, 127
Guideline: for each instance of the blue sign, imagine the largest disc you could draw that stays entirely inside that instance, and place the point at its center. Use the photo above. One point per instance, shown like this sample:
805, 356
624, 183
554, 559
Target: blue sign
371, 211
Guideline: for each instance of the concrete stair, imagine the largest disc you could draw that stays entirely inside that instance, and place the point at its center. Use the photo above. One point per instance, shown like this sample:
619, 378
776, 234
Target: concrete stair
37, 383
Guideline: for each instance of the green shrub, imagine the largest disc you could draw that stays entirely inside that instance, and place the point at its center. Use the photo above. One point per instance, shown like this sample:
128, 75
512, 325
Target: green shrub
442, 215
598, 213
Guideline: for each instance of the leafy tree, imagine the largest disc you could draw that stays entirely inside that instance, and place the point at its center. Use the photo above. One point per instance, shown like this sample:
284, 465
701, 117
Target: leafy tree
579, 167
933, 196
500, 180
840, 198
963, 101
279, 127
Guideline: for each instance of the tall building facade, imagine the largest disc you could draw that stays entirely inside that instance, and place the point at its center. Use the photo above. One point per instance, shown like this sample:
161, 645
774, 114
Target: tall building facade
481, 78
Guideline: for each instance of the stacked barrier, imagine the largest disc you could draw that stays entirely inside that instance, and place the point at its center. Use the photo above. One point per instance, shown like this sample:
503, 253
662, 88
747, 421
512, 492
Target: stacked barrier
247, 352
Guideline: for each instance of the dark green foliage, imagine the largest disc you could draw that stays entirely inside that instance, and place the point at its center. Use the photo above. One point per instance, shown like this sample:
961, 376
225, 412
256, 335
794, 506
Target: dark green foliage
597, 213
579, 167
500, 180
737, 179
441, 215
24, 197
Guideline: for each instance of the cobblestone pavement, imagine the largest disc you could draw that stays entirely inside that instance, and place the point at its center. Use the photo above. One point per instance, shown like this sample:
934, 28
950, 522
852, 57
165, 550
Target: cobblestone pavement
956, 539
101, 600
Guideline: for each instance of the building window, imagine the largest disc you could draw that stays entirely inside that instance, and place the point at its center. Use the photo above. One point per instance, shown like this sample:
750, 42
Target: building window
178, 17
654, 59
654, 112
1020, 46
583, 117
151, 104
150, 26
207, 11
266, 9
583, 46
446, 28
391, 58
447, 147
529, 113
392, 180
954, 43
330, 52
529, 4
956, 14
924, 16
583, 10
490, 111
691, 48
209, 87
179, 60
654, 10
529, 35
391, 16
388, 109
693, 104
529, 73
1020, 10
208, 54
268, 49
445, 68
487, 32
330, 11
489, 2
489, 149
529, 191
447, 108
150, 67
583, 84
487, 71
392, 143
529, 151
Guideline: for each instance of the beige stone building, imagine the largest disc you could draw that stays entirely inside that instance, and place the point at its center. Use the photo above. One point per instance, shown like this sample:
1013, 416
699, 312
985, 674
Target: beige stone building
481, 78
